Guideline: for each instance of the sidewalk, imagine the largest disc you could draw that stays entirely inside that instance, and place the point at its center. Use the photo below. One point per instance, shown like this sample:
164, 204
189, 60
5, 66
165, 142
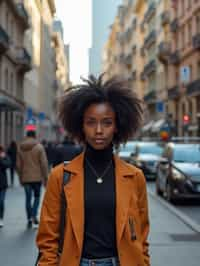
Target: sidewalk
171, 241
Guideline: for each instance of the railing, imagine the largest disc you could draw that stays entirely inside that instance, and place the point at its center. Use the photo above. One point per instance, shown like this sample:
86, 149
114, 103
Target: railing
150, 67
175, 58
193, 87
164, 51
196, 41
151, 38
173, 92
165, 17
150, 12
23, 59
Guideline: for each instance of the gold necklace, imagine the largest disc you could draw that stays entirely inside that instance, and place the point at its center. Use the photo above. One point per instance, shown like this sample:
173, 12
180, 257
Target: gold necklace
99, 178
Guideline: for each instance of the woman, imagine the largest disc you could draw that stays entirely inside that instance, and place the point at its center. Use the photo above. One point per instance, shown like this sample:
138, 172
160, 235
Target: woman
4, 164
107, 214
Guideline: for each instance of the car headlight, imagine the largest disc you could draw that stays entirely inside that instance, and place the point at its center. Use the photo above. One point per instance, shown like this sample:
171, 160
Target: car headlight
177, 175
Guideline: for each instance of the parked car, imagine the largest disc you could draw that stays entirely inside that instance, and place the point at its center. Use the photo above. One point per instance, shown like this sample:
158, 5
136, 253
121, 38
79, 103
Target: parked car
146, 156
179, 172
125, 150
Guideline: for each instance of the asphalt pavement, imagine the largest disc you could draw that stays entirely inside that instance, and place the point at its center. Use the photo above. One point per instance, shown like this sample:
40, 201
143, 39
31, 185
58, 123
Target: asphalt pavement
172, 242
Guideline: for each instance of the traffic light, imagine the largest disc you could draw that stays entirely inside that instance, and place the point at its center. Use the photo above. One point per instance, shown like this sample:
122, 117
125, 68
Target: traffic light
186, 119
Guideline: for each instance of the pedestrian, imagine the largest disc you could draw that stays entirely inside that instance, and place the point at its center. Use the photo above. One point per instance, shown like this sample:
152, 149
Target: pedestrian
107, 220
4, 164
66, 151
32, 169
12, 153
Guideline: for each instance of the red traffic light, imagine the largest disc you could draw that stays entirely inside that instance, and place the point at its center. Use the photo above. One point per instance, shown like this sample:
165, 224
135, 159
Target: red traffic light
186, 118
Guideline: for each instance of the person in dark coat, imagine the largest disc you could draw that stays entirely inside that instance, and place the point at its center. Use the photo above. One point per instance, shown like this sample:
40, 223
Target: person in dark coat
4, 164
12, 153
66, 151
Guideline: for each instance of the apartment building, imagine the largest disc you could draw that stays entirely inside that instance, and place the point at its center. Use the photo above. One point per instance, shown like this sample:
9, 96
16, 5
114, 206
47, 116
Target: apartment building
184, 90
47, 123
15, 61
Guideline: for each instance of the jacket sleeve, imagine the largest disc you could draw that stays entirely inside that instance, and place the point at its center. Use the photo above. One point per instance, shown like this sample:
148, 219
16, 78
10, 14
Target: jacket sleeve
43, 164
144, 216
48, 232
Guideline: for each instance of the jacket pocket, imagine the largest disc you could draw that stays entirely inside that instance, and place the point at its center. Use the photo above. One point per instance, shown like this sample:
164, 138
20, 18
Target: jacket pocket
132, 229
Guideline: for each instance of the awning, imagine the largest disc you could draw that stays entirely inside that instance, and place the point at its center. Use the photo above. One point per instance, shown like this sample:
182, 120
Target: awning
148, 126
9, 104
157, 125
193, 128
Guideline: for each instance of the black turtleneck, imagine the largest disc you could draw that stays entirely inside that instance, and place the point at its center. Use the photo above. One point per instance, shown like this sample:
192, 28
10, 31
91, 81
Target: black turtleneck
100, 228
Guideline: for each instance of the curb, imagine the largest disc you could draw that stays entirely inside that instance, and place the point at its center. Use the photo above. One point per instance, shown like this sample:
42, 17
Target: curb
184, 218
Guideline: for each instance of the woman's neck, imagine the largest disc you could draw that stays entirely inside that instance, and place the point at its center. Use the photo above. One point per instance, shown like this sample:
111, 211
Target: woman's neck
97, 156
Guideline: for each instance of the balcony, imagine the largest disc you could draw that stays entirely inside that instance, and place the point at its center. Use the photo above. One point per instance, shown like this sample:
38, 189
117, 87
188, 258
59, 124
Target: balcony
174, 25
4, 40
22, 13
150, 96
174, 58
23, 59
143, 76
150, 67
164, 51
194, 87
173, 92
150, 12
150, 39
196, 41
165, 18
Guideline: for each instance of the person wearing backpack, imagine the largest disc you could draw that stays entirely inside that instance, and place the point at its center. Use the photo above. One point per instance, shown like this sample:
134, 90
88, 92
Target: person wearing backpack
105, 220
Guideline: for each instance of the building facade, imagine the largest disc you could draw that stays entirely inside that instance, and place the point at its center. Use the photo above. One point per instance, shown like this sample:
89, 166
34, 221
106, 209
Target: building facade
158, 52
15, 61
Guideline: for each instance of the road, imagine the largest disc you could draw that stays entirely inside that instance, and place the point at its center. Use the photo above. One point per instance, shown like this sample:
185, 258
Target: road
171, 240
191, 208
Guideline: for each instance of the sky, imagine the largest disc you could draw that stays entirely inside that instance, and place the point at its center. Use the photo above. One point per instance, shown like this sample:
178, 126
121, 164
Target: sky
76, 18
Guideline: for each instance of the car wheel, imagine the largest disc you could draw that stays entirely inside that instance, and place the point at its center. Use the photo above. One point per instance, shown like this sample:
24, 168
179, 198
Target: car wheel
158, 190
169, 193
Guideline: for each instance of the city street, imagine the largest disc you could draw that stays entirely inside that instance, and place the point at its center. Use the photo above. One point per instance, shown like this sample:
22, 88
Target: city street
172, 242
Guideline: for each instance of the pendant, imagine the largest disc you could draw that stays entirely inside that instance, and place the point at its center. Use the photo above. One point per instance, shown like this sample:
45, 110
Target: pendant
99, 180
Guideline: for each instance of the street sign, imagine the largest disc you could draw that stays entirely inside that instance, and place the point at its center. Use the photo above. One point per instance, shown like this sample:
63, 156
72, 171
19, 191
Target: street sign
160, 106
185, 74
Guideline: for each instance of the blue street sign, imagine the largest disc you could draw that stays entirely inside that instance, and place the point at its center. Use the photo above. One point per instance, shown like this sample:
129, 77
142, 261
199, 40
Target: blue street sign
160, 106
41, 116
185, 74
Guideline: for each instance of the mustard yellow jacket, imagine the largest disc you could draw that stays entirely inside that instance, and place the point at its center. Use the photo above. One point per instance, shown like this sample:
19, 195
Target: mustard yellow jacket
132, 221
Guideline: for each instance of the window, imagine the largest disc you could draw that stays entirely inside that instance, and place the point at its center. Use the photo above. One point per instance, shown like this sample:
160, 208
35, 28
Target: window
11, 83
198, 70
6, 79
191, 72
190, 32
198, 23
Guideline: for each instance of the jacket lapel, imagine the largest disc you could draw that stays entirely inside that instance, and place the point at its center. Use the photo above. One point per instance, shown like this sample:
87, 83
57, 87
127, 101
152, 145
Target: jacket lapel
74, 191
124, 175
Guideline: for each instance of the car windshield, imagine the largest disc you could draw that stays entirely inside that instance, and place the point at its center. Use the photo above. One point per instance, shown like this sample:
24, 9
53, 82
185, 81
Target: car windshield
129, 147
190, 155
151, 149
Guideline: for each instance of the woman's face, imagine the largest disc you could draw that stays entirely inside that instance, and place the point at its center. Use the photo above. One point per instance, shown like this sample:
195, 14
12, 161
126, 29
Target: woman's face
99, 125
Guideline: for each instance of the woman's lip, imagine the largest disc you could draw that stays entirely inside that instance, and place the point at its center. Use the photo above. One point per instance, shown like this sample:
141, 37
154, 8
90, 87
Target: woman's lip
99, 140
